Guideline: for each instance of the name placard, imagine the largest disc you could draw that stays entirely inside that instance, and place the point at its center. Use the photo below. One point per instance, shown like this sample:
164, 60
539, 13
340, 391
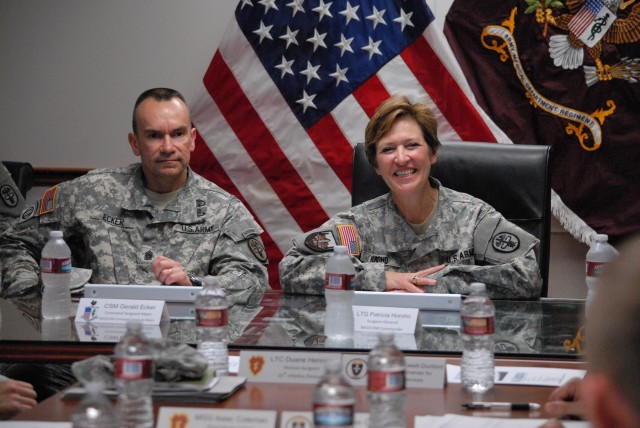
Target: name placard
284, 367
289, 419
197, 417
420, 372
369, 340
119, 311
377, 318
94, 332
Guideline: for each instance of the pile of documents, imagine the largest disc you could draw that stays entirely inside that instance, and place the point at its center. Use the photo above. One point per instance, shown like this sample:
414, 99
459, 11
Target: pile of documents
207, 390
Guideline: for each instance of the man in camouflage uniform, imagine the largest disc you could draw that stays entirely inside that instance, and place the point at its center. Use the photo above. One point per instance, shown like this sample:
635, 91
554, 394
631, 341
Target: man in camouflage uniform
156, 222
421, 236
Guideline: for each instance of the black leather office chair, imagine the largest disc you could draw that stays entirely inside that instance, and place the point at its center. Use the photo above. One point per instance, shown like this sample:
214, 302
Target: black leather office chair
513, 178
22, 175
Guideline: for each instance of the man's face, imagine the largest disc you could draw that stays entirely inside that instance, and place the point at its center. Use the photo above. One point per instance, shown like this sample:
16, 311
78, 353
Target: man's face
164, 141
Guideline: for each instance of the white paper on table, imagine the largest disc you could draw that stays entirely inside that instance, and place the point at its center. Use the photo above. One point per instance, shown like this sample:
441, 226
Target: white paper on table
535, 376
460, 421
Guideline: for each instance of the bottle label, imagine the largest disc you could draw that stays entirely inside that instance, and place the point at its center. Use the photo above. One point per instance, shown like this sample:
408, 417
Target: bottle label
55, 265
134, 368
338, 281
385, 381
212, 317
478, 325
595, 268
333, 415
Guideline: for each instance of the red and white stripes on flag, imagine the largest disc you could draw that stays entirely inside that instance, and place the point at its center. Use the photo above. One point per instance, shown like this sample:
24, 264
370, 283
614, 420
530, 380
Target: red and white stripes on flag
293, 178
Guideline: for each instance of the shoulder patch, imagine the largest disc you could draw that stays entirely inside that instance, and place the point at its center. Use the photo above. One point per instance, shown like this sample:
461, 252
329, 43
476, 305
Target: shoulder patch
505, 242
349, 238
321, 241
257, 249
48, 201
9, 195
32, 211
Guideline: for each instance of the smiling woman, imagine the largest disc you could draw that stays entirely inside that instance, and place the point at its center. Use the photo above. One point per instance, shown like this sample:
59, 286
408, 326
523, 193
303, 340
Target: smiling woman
422, 236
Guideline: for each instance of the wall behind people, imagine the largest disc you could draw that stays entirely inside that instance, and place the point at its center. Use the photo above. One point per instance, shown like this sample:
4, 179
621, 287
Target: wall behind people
71, 71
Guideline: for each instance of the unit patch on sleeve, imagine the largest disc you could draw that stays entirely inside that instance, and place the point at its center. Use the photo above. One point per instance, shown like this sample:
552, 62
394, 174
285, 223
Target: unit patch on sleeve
9, 195
349, 238
33, 210
320, 241
257, 249
505, 242
48, 201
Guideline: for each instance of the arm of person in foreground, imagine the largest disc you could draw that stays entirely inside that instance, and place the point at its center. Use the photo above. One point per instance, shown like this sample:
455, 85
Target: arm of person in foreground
15, 397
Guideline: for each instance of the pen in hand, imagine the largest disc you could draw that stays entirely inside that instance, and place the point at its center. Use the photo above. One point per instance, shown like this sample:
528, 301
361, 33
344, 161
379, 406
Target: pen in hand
479, 405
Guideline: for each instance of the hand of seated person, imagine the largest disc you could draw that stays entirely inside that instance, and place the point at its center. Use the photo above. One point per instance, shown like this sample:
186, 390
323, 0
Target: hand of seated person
566, 401
410, 282
15, 396
169, 272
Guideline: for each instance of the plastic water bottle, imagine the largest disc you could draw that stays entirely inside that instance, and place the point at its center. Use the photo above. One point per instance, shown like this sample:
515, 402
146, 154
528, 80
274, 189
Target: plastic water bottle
55, 268
386, 384
211, 325
598, 256
95, 410
134, 378
478, 323
334, 399
338, 292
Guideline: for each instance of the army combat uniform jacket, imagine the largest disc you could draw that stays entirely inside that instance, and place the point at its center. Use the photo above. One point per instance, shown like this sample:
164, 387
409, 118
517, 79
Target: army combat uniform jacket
113, 228
468, 235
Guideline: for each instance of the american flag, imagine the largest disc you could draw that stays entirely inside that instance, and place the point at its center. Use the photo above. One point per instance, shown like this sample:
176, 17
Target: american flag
289, 93
591, 22
585, 16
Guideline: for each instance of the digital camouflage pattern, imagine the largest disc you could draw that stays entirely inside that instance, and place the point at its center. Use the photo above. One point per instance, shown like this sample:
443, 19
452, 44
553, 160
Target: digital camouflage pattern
468, 235
519, 329
115, 230
11, 200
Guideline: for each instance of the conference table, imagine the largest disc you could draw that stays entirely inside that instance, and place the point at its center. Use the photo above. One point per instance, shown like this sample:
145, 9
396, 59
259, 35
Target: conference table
539, 333
548, 328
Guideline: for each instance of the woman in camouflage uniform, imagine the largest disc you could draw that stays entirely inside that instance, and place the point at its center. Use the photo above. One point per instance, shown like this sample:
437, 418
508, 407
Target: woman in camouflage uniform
420, 237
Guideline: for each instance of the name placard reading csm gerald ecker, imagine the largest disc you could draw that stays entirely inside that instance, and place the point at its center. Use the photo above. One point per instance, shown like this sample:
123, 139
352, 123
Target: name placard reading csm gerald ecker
119, 311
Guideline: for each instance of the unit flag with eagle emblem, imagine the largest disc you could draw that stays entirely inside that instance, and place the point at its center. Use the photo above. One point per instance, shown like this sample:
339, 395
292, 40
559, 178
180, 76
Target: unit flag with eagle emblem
563, 73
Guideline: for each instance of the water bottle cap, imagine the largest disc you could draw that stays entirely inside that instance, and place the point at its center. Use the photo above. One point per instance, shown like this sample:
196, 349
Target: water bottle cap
210, 280
601, 237
55, 234
385, 336
334, 366
134, 325
340, 249
478, 286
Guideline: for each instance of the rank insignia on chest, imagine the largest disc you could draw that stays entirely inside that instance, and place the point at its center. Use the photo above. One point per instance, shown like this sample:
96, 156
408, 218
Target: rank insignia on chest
320, 241
148, 255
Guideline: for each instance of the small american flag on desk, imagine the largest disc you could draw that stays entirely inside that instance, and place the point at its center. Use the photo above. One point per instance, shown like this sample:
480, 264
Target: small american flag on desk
289, 93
